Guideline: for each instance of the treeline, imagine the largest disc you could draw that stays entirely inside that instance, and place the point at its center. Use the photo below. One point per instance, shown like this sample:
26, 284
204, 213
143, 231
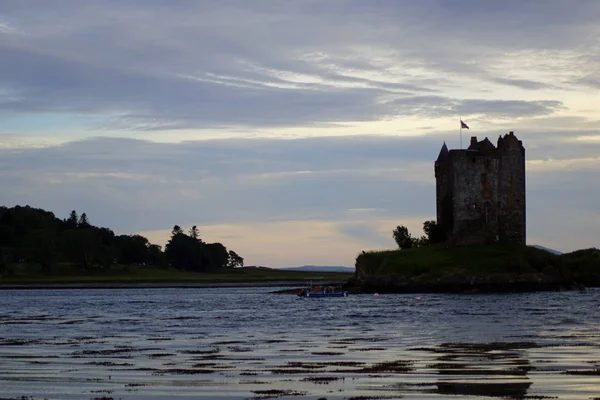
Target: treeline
34, 235
434, 233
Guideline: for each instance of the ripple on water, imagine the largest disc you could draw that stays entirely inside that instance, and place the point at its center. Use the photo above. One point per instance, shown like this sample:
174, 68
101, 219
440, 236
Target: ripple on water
154, 344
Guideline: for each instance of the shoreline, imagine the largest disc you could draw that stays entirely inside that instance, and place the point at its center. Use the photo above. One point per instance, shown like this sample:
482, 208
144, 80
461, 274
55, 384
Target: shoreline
153, 285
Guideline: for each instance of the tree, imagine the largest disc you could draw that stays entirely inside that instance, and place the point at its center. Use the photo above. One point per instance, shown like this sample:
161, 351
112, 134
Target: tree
190, 253
85, 247
434, 232
194, 234
3, 261
402, 237
133, 249
156, 256
420, 242
176, 230
27, 233
41, 246
183, 251
234, 260
7, 235
83, 221
73, 220
216, 256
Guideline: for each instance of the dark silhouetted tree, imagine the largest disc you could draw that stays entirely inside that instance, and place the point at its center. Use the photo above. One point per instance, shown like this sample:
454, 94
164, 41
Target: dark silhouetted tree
217, 256
38, 236
83, 221
179, 249
420, 242
234, 260
133, 249
191, 253
156, 256
176, 229
434, 232
194, 234
72, 221
402, 237
86, 248
4, 257
41, 246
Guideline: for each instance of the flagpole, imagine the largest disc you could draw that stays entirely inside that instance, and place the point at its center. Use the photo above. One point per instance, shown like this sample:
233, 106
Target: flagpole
460, 123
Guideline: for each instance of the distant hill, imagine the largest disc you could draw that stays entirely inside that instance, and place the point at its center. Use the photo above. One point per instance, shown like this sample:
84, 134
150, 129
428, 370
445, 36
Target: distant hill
537, 246
321, 268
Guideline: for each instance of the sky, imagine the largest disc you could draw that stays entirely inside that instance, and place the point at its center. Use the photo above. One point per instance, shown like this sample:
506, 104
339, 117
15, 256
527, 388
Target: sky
294, 132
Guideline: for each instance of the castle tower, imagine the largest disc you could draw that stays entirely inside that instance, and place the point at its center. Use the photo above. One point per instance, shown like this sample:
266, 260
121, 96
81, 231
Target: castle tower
511, 200
442, 188
480, 192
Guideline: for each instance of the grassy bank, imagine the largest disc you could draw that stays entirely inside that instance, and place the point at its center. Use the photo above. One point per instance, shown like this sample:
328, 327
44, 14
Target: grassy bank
478, 260
65, 273
489, 264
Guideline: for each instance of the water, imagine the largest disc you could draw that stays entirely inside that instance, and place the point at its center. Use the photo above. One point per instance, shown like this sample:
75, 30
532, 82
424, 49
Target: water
249, 344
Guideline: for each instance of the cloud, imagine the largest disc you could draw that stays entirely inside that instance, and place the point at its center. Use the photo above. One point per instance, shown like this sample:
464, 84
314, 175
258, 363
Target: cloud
151, 101
188, 65
521, 83
592, 80
434, 106
210, 181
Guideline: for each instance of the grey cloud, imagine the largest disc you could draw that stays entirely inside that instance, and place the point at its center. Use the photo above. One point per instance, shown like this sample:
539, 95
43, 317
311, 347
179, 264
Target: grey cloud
437, 106
168, 102
156, 99
592, 80
136, 185
129, 63
521, 83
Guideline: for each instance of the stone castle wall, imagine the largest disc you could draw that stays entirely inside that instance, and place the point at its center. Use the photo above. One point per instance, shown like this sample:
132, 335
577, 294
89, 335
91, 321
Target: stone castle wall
475, 192
480, 192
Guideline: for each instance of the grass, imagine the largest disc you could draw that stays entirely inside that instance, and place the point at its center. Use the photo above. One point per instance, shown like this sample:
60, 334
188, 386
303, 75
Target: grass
438, 261
65, 273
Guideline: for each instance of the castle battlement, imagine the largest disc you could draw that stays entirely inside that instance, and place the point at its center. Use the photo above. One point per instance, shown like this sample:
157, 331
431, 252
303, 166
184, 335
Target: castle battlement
480, 191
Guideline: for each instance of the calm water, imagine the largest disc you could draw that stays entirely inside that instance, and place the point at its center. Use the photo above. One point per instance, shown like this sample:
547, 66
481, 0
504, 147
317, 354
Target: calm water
249, 344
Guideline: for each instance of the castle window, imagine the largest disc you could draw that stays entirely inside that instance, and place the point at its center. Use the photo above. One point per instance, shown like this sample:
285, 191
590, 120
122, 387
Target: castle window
483, 179
474, 160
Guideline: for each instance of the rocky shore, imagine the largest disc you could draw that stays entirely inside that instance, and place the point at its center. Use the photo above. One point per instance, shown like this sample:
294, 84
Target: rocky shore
497, 283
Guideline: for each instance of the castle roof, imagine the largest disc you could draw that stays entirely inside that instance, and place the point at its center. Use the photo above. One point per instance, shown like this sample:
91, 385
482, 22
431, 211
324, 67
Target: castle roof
509, 140
443, 153
484, 146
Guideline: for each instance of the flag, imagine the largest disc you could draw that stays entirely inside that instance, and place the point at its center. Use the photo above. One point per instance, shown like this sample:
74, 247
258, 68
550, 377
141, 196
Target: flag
463, 125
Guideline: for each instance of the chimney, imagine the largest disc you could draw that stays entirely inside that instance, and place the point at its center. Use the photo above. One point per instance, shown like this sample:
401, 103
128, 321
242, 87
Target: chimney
473, 140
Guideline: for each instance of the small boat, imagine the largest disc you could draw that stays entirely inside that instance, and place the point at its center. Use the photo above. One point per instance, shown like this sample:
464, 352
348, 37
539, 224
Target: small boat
319, 291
